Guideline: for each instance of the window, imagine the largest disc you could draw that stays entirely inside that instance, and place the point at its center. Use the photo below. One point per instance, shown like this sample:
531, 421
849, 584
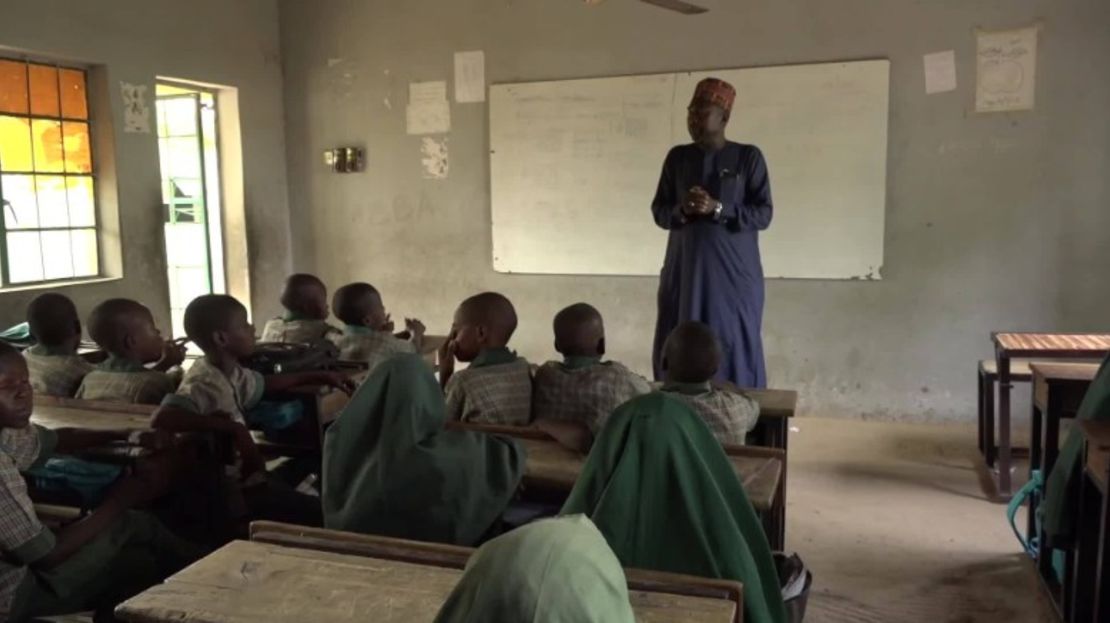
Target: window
47, 185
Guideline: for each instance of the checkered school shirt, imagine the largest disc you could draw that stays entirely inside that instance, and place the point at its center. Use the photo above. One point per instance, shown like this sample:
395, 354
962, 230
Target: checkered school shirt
729, 416
206, 390
23, 539
119, 380
288, 330
55, 374
368, 345
489, 392
584, 389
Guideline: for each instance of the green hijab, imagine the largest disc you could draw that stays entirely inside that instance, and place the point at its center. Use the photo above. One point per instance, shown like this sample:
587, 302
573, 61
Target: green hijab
1062, 486
390, 468
665, 496
554, 570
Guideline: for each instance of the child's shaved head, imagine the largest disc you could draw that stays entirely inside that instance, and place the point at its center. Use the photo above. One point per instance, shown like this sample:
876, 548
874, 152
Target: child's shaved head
691, 354
579, 331
494, 312
305, 295
211, 314
113, 320
16, 396
356, 303
53, 320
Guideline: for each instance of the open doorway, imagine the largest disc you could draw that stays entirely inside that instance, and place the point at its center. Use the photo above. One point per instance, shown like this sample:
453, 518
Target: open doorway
188, 151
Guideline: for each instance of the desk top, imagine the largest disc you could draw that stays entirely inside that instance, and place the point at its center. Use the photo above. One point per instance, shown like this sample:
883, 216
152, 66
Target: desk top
1097, 435
552, 465
775, 402
1064, 371
247, 582
92, 419
1093, 344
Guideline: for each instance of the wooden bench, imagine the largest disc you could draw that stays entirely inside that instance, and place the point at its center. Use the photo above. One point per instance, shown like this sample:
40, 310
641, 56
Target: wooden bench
297, 581
1086, 590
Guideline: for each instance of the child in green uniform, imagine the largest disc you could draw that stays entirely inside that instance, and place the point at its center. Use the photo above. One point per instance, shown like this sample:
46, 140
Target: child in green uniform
55, 367
367, 330
305, 299
691, 357
497, 387
94, 563
125, 330
214, 395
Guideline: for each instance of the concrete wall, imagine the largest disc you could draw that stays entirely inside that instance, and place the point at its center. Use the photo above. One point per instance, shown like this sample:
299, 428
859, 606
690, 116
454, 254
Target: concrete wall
992, 222
232, 44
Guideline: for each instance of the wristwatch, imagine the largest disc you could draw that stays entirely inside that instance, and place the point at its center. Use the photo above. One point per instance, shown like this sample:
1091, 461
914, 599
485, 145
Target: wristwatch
717, 211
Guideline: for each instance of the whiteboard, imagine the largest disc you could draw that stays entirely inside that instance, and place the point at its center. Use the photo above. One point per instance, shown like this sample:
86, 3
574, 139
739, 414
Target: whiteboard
574, 165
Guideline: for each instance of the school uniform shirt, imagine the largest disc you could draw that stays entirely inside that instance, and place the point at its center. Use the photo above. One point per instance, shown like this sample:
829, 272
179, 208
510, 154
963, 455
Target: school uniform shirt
495, 389
369, 345
122, 380
206, 390
729, 415
23, 539
291, 329
584, 389
54, 372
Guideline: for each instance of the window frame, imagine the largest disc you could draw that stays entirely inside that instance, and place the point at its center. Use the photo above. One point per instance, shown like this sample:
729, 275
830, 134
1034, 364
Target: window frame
93, 175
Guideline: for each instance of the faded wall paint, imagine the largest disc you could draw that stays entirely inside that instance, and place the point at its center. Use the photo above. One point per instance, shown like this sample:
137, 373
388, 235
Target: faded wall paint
212, 41
992, 221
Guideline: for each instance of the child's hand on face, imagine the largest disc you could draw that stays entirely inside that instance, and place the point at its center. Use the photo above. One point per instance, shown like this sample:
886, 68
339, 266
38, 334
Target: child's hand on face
447, 354
387, 324
415, 327
173, 354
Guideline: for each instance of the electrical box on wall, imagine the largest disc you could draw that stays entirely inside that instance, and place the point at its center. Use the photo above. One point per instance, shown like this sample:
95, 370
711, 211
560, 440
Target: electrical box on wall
344, 159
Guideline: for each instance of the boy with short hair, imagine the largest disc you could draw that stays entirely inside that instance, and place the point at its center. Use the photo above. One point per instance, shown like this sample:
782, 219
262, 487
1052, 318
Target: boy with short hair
92, 564
691, 357
497, 387
125, 330
214, 395
305, 299
582, 390
55, 367
367, 329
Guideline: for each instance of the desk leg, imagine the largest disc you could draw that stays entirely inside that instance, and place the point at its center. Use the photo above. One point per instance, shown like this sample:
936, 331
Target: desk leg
1051, 430
1079, 594
775, 435
1034, 464
1005, 487
990, 450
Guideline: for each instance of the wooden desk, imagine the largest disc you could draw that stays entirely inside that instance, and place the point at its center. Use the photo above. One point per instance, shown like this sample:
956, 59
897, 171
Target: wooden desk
246, 582
776, 407
1086, 587
92, 417
1010, 345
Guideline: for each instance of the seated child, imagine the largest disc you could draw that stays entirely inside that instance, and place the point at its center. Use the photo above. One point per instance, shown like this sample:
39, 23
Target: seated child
56, 369
92, 564
214, 395
582, 390
125, 330
367, 330
305, 299
497, 387
691, 357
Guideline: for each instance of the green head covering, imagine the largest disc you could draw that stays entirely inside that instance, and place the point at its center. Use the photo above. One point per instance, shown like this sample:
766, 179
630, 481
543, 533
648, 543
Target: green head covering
390, 468
1062, 485
555, 570
662, 491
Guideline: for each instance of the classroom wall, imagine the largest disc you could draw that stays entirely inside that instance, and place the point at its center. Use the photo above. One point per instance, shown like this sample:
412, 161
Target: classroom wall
993, 221
232, 44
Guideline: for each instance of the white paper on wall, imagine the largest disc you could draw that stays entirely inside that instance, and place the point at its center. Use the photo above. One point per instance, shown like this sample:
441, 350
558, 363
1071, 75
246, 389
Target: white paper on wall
470, 76
940, 72
136, 111
1006, 64
433, 157
428, 111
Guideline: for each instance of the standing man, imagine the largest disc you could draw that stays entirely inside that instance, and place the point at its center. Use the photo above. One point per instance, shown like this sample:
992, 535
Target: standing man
714, 197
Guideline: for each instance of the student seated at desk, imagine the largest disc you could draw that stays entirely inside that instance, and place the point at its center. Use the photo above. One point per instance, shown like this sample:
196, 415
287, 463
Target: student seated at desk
92, 564
691, 357
1062, 485
125, 330
666, 497
551, 570
217, 390
56, 369
571, 399
305, 299
367, 330
497, 387
390, 467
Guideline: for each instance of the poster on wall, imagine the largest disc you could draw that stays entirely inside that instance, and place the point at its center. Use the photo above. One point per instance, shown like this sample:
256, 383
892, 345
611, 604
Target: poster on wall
428, 111
940, 72
136, 111
470, 77
1006, 64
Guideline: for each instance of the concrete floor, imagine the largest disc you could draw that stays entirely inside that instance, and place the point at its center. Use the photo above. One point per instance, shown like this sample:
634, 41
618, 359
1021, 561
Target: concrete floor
895, 525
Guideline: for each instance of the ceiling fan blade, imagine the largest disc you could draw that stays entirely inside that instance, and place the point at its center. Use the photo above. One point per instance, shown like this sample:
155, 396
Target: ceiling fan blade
678, 5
